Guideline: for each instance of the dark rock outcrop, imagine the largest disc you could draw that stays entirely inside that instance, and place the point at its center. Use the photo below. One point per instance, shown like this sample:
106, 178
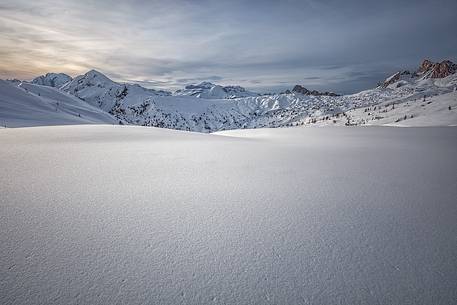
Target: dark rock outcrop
394, 78
304, 91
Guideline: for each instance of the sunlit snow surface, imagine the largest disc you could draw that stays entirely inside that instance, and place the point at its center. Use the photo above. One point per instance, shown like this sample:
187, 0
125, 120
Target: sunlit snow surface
133, 215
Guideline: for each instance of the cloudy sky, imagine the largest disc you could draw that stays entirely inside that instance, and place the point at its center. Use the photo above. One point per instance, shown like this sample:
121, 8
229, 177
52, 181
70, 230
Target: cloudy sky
344, 46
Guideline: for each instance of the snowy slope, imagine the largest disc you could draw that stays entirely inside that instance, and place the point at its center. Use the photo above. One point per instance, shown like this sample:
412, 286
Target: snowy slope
132, 215
440, 110
52, 79
35, 105
412, 102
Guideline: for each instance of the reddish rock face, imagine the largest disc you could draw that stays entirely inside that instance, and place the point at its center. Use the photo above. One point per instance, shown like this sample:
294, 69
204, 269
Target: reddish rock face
426, 64
393, 79
427, 69
443, 69
437, 70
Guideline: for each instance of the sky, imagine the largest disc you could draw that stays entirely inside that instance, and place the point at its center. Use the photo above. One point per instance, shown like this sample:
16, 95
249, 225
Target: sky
266, 46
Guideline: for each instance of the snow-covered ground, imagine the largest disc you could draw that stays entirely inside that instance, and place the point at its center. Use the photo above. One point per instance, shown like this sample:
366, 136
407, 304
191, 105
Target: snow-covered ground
134, 215
435, 110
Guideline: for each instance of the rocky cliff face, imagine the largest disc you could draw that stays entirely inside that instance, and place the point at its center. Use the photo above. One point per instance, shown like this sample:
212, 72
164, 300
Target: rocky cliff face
442, 69
395, 78
426, 70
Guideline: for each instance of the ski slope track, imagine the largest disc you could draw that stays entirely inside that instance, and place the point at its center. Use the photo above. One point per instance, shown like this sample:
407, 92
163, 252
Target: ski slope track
133, 215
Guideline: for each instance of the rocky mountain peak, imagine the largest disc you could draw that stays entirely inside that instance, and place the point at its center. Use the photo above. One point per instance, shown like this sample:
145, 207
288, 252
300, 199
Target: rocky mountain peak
52, 79
426, 64
429, 69
302, 90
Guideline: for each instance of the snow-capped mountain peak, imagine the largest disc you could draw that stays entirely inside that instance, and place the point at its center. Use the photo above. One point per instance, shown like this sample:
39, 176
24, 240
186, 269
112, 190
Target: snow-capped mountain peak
96, 74
52, 79
209, 90
97, 89
202, 85
93, 77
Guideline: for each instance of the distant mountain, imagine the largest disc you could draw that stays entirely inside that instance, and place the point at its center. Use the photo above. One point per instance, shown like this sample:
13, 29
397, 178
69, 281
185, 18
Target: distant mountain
210, 90
98, 90
302, 90
442, 69
52, 79
427, 70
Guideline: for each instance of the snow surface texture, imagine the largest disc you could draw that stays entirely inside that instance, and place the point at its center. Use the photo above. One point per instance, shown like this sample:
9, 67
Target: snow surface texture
134, 215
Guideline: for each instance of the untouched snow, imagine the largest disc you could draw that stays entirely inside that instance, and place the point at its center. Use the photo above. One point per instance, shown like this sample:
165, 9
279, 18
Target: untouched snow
133, 215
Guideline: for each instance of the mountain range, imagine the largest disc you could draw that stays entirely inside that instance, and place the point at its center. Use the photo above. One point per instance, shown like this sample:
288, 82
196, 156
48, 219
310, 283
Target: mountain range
54, 99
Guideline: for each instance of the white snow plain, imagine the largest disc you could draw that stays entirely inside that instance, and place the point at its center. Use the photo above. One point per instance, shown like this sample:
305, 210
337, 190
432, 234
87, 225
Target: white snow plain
134, 215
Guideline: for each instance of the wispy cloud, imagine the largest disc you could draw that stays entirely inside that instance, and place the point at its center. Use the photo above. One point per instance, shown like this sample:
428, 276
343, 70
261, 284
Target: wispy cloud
260, 44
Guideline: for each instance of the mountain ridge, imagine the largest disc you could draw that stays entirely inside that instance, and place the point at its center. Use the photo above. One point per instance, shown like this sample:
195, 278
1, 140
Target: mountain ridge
136, 105
52, 79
